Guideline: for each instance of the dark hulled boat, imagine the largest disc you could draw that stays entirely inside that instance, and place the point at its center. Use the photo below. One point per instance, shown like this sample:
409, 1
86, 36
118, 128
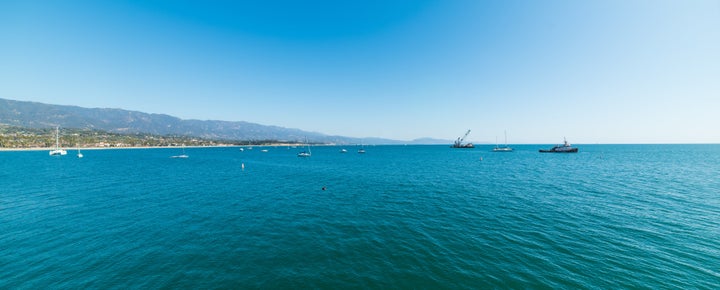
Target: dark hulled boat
459, 142
466, 145
565, 148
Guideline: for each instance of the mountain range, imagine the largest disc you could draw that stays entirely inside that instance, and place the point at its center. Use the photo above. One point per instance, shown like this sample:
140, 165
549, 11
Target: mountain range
40, 115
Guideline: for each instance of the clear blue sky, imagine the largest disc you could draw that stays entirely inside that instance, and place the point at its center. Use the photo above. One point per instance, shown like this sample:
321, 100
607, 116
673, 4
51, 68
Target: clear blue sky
592, 71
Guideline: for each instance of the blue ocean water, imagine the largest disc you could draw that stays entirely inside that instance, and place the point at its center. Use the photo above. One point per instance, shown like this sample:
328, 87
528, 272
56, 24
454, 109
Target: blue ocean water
429, 217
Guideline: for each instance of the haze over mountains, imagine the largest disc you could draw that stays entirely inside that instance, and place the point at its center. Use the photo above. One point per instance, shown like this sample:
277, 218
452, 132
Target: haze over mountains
39, 115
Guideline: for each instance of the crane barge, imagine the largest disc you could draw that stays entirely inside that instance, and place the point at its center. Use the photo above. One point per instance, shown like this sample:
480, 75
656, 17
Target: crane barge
459, 142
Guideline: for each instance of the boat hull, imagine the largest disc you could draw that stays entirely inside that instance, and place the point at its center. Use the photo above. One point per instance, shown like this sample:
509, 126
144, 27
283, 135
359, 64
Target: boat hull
58, 152
564, 148
573, 150
503, 149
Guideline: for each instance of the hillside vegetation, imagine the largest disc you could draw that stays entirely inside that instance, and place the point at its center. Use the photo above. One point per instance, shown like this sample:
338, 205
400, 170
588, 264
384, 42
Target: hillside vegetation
12, 137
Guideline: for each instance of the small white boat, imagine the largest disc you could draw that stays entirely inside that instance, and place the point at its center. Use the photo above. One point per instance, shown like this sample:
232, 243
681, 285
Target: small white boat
57, 151
343, 151
306, 153
504, 148
79, 155
183, 155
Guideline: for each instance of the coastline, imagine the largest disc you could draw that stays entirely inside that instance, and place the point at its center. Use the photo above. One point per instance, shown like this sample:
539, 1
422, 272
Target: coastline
113, 148
154, 147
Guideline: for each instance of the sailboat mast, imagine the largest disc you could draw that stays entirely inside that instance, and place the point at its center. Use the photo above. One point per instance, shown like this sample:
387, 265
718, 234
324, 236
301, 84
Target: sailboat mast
57, 137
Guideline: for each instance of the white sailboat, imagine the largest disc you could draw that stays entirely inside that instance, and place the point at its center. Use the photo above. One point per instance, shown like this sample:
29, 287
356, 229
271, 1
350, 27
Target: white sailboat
504, 148
362, 148
181, 155
57, 151
306, 153
79, 155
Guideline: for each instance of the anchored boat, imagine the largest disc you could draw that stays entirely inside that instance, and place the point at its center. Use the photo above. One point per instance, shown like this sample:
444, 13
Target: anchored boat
459, 142
306, 153
504, 148
57, 151
565, 148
